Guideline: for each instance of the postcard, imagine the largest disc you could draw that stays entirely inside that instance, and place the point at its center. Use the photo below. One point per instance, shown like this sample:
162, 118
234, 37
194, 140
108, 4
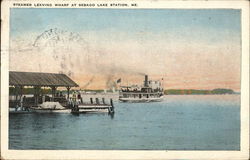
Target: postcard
125, 80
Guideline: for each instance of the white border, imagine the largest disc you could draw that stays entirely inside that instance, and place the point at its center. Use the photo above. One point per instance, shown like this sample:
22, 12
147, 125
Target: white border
125, 154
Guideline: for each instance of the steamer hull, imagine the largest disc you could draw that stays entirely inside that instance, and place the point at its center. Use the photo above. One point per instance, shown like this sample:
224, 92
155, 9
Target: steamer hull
144, 100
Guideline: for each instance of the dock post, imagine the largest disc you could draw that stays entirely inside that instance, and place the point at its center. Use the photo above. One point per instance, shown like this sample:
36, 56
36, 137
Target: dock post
103, 100
97, 100
111, 102
111, 109
91, 100
21, 97
68, 88
53, 88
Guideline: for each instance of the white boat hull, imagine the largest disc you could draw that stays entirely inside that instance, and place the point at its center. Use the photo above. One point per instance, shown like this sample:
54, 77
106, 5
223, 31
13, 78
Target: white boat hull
42, 111
141, 100
51, 110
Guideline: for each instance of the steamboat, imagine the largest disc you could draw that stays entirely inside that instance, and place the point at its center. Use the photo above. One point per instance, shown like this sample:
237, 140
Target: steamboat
150, 91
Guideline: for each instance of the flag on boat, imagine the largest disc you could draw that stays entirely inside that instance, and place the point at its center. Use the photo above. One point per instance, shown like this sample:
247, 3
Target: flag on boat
119, 80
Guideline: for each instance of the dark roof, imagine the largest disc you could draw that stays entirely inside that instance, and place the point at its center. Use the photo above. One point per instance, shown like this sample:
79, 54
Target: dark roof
40, 79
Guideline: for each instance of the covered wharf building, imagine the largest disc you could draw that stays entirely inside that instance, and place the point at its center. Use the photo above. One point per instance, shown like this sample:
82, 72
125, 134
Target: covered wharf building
37, 80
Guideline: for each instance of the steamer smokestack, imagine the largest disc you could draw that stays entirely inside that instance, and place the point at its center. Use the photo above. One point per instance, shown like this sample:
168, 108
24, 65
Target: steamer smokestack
146, 81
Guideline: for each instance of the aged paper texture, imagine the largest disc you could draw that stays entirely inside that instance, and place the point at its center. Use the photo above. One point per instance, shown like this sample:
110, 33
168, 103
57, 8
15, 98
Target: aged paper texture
124, 79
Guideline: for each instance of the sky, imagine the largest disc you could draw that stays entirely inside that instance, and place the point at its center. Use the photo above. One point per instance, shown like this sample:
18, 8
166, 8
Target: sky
190, 49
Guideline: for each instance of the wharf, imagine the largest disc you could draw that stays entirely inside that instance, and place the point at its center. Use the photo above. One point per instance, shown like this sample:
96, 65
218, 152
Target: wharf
75, 108
84, 108
58, 102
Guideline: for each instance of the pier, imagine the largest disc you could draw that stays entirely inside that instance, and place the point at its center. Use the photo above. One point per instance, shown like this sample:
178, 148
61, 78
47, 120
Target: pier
55, 102
93, 107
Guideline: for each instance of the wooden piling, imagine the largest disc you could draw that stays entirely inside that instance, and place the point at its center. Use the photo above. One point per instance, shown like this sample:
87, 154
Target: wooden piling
68, 89
111, 102
103, 100
97, 101
111, 108
91, 100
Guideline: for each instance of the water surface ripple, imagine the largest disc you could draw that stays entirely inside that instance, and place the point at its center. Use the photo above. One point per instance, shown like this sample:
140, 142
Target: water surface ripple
190, 122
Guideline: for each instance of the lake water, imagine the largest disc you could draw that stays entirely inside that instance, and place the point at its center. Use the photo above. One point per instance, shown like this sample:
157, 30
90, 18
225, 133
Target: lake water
181, 122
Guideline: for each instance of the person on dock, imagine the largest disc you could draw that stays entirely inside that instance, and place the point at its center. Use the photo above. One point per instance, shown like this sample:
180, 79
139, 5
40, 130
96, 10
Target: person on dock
70, 102
21, 103
79, 98
57, 94
74, 96
61, 94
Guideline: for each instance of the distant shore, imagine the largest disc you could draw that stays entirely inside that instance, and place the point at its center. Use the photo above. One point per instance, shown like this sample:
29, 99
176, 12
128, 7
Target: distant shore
166, 92
197, 92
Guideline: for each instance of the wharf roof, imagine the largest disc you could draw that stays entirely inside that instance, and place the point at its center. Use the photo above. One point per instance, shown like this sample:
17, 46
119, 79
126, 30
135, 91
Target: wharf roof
40, 79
